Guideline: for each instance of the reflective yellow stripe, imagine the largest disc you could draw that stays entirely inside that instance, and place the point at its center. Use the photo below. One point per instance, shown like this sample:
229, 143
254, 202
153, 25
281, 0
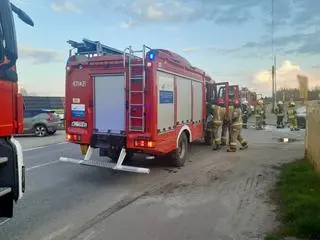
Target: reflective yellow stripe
217, 122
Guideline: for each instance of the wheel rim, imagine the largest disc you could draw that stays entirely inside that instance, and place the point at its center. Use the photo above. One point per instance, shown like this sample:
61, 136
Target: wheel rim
181, 149
40, 131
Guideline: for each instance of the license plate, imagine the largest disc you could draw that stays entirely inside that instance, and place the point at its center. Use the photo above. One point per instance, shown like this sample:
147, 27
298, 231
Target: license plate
79, 124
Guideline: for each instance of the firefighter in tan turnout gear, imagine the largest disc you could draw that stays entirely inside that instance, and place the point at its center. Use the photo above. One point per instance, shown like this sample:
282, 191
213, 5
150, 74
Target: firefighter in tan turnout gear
235, 121
225, 130
219, 113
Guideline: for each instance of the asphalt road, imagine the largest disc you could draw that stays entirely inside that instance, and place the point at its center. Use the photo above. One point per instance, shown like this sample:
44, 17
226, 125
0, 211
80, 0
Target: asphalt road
66, 201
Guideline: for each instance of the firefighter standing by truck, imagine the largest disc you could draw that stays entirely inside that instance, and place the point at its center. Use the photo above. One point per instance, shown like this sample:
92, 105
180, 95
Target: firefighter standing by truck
218, 113
245, 113
292, 116
279, 111
225, 129
235, 127
260, 115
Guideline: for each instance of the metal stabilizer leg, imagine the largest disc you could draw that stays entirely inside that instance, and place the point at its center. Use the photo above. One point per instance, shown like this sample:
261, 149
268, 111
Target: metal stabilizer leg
106, 164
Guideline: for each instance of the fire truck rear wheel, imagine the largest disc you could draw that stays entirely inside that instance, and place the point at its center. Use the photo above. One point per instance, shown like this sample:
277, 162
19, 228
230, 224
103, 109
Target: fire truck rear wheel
180, 154
114, 157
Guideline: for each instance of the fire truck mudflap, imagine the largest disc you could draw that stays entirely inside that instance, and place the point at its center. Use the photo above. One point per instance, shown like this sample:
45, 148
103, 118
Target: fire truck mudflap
109, 123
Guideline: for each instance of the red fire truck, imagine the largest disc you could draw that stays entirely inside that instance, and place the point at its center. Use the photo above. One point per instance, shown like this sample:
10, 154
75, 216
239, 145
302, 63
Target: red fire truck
123, 104
11, 122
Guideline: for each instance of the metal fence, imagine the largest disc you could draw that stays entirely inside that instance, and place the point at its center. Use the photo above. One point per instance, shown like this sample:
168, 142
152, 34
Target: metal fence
312, 145
35, 102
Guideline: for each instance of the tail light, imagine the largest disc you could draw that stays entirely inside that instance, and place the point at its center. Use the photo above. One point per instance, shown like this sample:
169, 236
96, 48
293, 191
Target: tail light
73, 137
50, 117
144, 143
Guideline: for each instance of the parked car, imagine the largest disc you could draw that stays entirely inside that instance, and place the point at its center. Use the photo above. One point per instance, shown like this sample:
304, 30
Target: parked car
40, 122
302, 116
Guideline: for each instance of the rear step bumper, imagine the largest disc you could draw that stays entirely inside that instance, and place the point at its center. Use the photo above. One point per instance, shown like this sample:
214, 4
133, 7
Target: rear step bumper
102, 140
106, 164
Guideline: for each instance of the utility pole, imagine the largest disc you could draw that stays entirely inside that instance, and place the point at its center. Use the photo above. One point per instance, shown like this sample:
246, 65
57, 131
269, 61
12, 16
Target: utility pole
274, 86
275, 80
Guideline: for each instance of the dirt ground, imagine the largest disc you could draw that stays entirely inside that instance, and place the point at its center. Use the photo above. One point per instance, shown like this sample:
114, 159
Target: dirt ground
217, 195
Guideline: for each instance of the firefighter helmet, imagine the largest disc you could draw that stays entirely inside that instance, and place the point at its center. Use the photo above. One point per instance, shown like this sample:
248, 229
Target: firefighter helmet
219, 102
292, 104
280, 103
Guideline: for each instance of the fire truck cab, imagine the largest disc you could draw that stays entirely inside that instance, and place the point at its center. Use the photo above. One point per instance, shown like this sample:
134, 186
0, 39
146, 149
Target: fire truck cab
12, 173
150, 101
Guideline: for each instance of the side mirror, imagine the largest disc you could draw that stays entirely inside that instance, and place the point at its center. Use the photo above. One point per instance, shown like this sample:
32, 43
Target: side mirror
22, 15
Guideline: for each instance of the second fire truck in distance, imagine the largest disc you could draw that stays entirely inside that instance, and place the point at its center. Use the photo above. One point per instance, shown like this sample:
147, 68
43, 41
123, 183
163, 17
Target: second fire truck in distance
123, 104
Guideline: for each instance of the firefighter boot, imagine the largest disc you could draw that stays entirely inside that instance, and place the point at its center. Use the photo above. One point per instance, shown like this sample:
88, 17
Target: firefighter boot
232, 148
244, 146
216, 147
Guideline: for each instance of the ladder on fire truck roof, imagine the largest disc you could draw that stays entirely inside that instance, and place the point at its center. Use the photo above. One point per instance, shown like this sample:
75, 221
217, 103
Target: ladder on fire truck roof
92, 48
139, 62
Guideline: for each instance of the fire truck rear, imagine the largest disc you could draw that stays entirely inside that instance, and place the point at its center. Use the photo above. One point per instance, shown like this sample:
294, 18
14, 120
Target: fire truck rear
11, 122
123, 104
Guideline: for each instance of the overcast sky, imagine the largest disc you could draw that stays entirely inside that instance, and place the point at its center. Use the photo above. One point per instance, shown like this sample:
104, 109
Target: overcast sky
229, 39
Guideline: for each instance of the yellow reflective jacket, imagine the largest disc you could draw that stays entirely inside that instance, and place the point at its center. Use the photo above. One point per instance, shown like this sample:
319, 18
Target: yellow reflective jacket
218, 113
291, 113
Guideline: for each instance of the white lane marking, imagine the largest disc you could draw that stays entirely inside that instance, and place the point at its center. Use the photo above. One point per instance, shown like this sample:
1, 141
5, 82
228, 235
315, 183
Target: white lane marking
42, 165
41, 147
88, 237
35, 148
5, 221
57, 233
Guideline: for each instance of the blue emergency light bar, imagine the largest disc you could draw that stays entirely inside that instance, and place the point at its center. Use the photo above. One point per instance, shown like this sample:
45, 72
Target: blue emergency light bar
152, 55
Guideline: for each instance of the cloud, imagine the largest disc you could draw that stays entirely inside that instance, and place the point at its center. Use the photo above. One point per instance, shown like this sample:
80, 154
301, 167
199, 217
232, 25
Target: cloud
286, 77
40, 56
177, 11
190, 50
299, 43
64, 5
197, 49
295, 13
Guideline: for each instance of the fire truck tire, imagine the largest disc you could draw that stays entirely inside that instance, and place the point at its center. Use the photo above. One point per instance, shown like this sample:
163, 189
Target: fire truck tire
180, 154
115, 155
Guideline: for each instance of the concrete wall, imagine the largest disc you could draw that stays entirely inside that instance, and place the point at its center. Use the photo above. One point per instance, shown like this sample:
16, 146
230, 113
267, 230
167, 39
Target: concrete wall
312, 144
